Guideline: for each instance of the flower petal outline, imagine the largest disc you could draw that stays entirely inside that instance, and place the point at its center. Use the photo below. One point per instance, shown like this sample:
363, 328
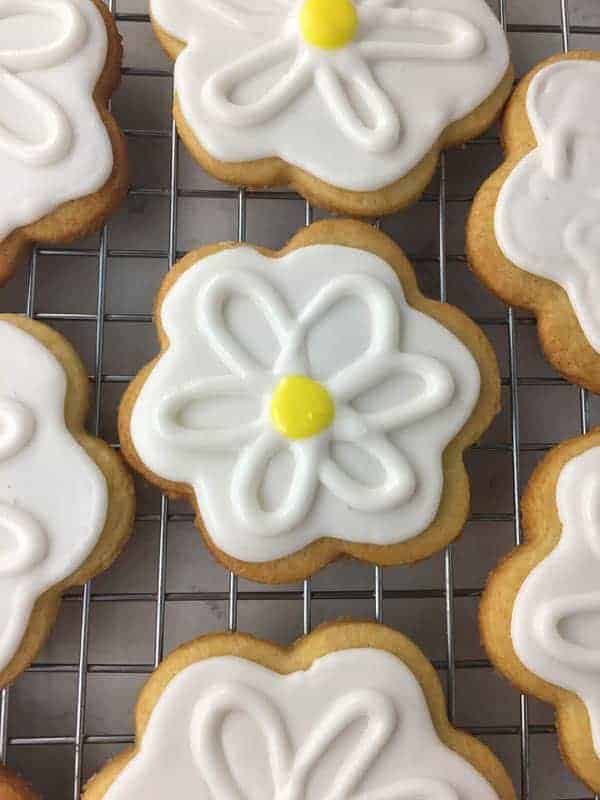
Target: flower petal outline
248, 476
385, 133
58, 135
217, 89
438, 390
398, 486
31, 542
206, 438
466, 40
17, 426
211, 301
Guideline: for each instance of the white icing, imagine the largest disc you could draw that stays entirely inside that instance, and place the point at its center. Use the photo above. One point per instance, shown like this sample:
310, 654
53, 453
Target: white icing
359, 117
403, 386
547, 218
355, 726
53, 144
53, 497
556, 615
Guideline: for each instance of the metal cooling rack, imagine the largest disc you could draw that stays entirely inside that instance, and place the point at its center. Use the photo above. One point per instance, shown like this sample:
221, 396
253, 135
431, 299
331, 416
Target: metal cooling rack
382, 590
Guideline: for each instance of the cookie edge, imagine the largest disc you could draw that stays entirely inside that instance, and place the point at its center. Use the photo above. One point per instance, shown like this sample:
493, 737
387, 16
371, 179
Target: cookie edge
121, 496
454, 505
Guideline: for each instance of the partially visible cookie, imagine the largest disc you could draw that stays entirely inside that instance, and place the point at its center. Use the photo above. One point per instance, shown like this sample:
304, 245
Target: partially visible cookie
66, 500
352, 711
540, 613
62, 157
348, 101
12, 787
533, 235
311, 403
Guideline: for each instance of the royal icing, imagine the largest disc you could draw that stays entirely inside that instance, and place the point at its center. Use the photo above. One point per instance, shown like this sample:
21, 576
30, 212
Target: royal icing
556, 614
53, 497
354, 726
355, 93
302, 397
53, 144
547, 217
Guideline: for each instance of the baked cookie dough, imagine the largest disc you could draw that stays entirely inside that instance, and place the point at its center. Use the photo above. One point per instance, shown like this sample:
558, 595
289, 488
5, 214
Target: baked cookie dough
540, 613
66, 500
352, 711
348, 101
63, 166
533, 236
311, 403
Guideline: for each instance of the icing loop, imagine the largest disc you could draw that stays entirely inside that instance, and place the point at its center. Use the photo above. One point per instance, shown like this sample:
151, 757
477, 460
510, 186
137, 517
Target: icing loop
17, 425
291, 773
57, 135
27, 541
547, 218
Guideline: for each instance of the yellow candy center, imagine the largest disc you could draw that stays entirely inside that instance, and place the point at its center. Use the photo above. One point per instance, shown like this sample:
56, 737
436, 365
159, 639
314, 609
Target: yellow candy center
301, 407
328, 24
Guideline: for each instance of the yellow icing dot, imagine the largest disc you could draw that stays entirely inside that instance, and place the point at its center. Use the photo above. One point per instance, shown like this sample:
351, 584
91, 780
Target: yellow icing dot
328, 24
301, 407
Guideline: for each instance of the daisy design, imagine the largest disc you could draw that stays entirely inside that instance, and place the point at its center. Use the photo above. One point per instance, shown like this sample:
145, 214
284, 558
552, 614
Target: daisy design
354, 726
342, 433
362, 71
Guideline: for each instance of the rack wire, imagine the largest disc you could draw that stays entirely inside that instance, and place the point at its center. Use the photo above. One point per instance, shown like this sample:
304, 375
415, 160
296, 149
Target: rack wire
382, 590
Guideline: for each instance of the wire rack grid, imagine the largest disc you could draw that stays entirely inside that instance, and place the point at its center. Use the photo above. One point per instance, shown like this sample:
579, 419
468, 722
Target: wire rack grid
382, 588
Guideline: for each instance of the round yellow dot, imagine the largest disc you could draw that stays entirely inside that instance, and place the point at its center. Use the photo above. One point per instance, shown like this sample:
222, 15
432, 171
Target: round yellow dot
301, 407
328, 24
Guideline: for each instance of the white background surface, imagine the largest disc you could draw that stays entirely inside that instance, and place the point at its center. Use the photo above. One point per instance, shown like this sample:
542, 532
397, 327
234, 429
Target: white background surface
121, 630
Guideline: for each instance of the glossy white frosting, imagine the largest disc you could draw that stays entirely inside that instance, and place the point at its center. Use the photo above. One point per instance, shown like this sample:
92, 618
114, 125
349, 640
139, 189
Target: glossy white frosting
53, 497
556, 614
355, 726
547, 217
359, 117
402, 384
53, 144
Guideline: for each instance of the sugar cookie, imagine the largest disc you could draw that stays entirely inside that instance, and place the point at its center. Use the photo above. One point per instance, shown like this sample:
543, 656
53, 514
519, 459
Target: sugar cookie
311, 403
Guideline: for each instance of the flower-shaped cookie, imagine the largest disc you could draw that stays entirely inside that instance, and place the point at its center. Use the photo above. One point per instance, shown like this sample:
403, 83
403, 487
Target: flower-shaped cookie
66, 503
353, 712
59, 63
340, 97
544, 634
534, 233
304, 397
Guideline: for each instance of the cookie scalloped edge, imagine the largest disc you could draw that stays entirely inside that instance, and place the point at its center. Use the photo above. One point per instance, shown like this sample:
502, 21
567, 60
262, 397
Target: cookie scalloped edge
121, 496
542, 532
562, 339
455, 502
328, 638
82, 216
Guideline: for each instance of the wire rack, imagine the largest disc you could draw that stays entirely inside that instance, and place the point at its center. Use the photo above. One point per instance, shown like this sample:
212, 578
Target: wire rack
59, 762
